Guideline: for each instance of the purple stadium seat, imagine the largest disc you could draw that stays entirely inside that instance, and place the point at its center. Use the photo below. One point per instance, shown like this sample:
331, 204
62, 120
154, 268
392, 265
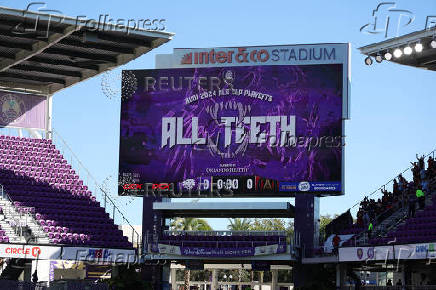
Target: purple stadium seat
40, 181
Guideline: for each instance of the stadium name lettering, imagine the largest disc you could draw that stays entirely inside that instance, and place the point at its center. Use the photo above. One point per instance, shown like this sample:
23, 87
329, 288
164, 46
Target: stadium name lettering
246, 55
173, 131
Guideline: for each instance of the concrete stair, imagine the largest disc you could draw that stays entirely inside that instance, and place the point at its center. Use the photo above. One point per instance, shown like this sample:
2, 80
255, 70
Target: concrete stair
12, 216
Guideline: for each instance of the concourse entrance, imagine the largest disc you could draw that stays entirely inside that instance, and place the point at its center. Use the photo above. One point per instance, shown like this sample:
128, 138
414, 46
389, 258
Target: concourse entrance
232, 276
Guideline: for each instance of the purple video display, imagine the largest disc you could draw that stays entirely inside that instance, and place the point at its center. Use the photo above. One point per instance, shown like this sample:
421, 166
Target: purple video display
259, 130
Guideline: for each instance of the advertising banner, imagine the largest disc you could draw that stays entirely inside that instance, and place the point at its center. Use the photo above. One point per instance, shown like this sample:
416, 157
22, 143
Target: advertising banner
98, 255
222, 252
232, 131
29, 252
416, 251
22, 110
353, 254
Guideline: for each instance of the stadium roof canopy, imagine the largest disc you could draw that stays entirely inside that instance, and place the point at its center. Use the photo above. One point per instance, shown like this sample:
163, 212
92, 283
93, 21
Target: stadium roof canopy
43, 53
425, 59
226, 209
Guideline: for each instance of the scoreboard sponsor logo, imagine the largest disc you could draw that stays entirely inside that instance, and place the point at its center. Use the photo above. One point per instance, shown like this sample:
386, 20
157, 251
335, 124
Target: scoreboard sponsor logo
305, 186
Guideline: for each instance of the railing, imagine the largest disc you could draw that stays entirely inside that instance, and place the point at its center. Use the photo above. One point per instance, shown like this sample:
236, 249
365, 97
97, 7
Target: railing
99, 192
432, 153
22, 221
408, 287
383, 187
225, 233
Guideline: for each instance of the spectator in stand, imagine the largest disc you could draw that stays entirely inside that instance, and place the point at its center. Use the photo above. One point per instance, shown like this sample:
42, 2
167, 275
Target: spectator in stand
431, 168
402, 182
336, 242
421, 161
360, 220
365, 219
370, 229
399, 283
412, 205
395, 188
415, 171
420, 195
389, 283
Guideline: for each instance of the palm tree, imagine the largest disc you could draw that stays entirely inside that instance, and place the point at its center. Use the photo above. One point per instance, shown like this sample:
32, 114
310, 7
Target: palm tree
189, 224
238, 224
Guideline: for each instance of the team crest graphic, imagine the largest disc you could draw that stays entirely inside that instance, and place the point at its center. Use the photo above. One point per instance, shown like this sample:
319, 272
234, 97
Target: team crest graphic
370, 253
188, 184
229, 77
360, 253
12, 108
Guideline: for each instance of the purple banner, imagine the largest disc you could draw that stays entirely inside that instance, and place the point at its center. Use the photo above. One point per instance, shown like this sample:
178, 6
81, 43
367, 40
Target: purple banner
223, 252
214, 252
22, 110
257, 130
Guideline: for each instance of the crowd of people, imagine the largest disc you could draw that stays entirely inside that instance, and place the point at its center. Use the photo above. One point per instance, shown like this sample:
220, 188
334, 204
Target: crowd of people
404, 193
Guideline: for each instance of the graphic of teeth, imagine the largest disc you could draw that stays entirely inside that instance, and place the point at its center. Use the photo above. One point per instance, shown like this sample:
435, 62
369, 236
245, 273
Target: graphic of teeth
216, 110
240, 111
213, 111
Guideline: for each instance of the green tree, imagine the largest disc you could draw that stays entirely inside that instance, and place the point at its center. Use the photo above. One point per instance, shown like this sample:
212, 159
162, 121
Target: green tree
324, 220
238, 224
189, 224
272, 224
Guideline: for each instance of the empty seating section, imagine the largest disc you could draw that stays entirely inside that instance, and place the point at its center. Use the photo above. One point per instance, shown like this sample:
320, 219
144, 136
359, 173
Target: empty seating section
230, 241
418, 229
38, 180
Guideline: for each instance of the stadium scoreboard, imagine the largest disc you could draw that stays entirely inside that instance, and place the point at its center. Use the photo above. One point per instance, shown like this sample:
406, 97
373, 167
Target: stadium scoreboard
236, 122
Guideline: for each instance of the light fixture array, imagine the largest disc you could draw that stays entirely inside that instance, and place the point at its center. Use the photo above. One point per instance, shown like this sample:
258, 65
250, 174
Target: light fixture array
398, 52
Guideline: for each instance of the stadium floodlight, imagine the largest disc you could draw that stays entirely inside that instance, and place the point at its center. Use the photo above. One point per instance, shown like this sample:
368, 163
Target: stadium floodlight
398, 53
388, 55
378, 58
408, 50
418, 47
368, 60
433, 43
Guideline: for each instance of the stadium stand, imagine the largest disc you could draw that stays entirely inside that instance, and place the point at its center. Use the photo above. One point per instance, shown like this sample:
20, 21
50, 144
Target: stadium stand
40, 184
391, 214
223, 239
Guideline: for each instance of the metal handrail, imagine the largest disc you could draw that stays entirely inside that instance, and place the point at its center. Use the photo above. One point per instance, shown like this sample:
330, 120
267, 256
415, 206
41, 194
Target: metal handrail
18, 223
391, 180
105, 199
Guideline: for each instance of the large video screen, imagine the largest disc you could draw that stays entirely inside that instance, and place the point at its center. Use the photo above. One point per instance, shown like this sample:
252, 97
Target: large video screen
240, 131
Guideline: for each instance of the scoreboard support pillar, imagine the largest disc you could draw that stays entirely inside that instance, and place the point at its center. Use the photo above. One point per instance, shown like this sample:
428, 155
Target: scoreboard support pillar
306, 224
152, 226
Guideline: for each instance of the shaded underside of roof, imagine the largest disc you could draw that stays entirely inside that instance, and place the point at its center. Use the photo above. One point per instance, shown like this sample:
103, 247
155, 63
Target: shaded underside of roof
43, 53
